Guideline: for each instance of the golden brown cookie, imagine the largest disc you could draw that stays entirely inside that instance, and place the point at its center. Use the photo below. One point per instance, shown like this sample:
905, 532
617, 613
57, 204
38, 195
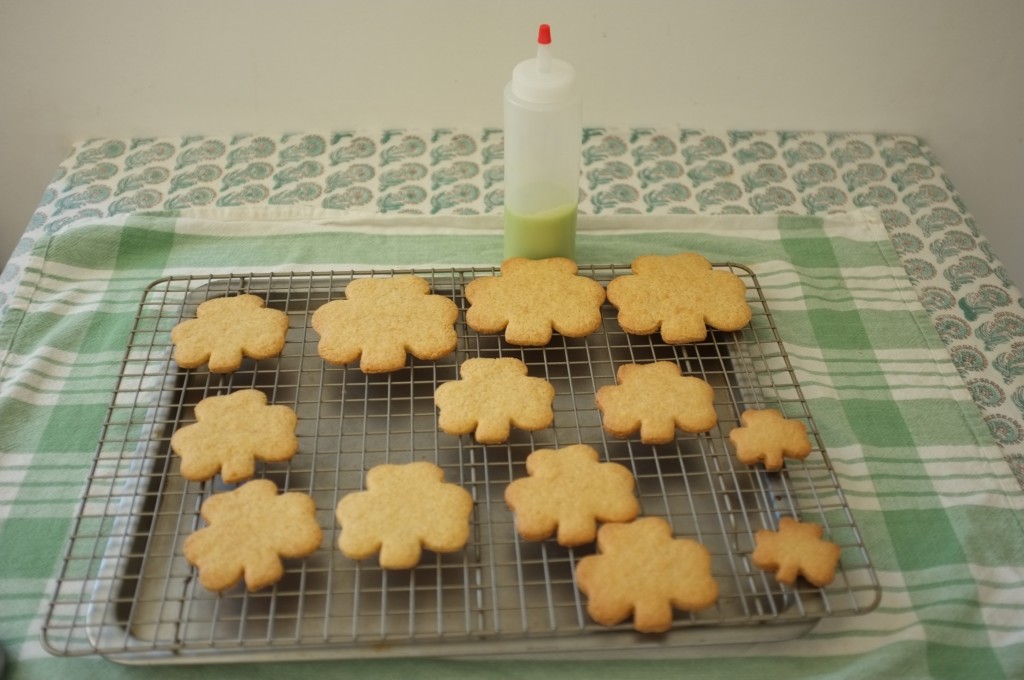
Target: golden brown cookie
640, 569
656, 399
381, 319
226, 329
533, 298
404, 508
569, 491
796, 549
231, 432
769, 437
248, 531
680, 295
492, 396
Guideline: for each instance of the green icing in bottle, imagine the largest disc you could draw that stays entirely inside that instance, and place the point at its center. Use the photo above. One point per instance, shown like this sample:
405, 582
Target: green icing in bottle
550, 233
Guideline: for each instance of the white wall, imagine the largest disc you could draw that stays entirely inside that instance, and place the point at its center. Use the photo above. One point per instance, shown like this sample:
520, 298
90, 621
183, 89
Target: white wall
950, 71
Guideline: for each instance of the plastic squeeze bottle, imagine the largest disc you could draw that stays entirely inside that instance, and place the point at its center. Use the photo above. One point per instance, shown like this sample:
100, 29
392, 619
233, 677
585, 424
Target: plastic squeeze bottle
543, 144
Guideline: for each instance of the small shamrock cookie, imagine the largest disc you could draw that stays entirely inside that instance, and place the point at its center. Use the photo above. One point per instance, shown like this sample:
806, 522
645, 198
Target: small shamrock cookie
492, 396
680, 295
226, 329
231, 432
568, 490
533, 298
640, 569
381, 319
796, 549
404, 509
656, 399
248, 531
769, 437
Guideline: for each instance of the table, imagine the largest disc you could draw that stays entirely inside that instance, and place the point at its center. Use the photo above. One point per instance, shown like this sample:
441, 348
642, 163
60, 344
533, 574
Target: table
947, 285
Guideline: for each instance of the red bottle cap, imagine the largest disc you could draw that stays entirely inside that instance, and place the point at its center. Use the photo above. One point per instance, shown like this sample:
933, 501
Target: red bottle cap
544, 35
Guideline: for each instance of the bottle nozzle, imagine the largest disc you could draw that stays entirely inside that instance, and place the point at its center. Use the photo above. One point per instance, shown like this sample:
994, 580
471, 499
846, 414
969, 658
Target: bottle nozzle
544, 79
543, 51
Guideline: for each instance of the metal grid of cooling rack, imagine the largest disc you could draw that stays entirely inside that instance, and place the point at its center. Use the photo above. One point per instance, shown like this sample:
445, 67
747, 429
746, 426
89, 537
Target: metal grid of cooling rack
125, 590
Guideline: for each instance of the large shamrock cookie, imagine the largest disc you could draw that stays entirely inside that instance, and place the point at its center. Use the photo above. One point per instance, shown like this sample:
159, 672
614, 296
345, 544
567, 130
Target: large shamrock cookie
226, 329
231, 432
532, 298
681, 295
796, 549
641, 570
404, 509
568, 490
492, 396
769, 437
248, 531
382, 319
656, 399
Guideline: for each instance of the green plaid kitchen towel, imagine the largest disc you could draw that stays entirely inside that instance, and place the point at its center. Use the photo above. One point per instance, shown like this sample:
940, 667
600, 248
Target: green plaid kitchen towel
936, 503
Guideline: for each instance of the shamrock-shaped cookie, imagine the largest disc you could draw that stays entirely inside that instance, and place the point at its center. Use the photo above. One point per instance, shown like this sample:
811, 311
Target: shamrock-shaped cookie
231, 432
656, 399
381, 319
796, 549
248, 531
404, 509
568, 490
681, 295
640, 569
226, 329
492, 396
769, 437
532, 298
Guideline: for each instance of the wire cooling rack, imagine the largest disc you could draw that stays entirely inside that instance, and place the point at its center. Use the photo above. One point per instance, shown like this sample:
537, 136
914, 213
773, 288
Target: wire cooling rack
126, 592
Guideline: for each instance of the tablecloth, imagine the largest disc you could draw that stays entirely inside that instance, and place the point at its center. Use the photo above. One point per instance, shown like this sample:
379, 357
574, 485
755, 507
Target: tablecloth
930, 489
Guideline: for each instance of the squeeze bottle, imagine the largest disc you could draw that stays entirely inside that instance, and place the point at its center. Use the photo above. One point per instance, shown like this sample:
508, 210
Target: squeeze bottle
543, 144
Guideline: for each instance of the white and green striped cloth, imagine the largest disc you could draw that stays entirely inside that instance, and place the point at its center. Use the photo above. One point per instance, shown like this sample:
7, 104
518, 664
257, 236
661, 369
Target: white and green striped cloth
937, 505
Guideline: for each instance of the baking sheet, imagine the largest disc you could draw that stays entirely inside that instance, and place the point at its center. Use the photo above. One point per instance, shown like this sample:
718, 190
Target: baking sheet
127, 593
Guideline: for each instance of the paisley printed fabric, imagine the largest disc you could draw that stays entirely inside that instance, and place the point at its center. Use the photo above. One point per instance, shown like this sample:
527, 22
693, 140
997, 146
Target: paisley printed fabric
977, 310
